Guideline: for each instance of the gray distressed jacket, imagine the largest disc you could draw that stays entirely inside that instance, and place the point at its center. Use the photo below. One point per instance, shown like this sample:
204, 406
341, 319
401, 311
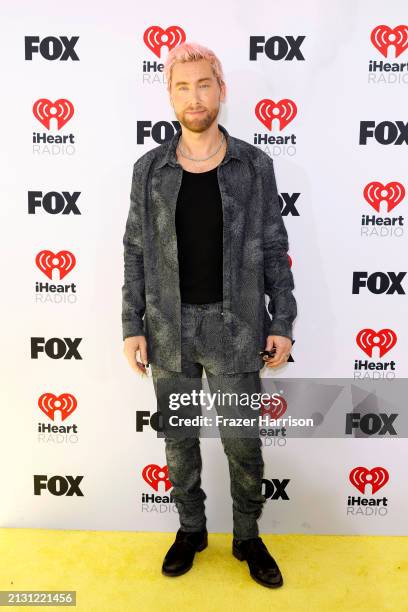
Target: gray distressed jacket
255, 259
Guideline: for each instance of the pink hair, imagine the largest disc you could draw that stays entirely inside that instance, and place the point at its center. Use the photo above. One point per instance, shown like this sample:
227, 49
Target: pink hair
192, 52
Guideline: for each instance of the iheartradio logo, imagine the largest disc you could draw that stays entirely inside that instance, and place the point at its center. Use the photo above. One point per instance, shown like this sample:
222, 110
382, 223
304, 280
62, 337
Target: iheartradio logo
153, 474
50, 403
155, 38
376, 193
63, 261
377, 477
44, 110
368, 339
274, 407
284, 111
383, 37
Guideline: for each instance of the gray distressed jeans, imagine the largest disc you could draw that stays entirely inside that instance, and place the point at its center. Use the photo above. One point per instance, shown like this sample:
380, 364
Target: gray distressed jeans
203, 347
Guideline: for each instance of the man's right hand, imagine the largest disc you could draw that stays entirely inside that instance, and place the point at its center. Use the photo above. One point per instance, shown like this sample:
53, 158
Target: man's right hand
131, 346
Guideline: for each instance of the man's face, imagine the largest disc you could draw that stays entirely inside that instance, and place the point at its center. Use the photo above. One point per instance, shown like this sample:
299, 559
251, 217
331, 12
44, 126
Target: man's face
195, 94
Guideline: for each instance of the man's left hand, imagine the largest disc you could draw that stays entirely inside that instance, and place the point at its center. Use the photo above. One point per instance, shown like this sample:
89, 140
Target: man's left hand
283, 347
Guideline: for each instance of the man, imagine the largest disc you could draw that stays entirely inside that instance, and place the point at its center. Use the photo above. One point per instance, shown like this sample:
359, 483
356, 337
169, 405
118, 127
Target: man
204, 243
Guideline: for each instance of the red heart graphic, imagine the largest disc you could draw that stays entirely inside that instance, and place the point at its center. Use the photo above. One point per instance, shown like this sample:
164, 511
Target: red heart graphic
361, 476
64, 261
382, 37
44, 110
285, 111
375, 193
155, 38
49, 403
275, 406
367, 339
153, 474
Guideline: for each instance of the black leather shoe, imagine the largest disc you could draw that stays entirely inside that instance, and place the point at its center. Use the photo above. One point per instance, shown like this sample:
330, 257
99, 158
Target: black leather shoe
180, 556
262, 567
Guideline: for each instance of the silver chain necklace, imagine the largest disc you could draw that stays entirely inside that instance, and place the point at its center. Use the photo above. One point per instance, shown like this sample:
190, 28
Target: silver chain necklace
202, 158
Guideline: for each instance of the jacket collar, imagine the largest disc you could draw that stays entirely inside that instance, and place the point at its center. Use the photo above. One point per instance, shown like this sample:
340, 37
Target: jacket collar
168, 155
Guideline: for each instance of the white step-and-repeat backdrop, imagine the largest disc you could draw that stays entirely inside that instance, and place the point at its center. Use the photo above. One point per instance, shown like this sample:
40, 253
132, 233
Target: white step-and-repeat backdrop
83, 96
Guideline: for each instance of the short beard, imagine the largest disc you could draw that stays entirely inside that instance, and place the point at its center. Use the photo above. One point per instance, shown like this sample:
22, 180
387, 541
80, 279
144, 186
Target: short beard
199, 125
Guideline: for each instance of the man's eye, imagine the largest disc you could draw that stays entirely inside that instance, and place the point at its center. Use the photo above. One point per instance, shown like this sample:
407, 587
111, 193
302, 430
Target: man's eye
185, 87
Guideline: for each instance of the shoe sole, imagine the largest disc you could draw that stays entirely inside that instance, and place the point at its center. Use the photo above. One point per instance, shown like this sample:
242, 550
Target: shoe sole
238, 555
186, 569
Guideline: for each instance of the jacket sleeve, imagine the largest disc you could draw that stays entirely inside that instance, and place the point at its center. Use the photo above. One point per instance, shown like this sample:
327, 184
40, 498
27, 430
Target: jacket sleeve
133, 289
278, 277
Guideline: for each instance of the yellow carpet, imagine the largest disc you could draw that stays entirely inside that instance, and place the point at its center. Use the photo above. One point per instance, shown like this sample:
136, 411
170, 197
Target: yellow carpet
120, 571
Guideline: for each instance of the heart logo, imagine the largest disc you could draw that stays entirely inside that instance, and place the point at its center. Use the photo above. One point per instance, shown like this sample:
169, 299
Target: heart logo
384, 339
274, 406
65, 403
382, 37
47, 261
392, 193
44, 110
153, 474
361, 476
155, 38
284, 111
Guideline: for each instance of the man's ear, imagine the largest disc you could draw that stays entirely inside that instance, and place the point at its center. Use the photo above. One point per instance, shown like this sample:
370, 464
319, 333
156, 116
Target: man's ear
223, 93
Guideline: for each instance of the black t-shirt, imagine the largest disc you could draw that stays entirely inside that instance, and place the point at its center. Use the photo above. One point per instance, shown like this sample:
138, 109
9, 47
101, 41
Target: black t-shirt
199, 228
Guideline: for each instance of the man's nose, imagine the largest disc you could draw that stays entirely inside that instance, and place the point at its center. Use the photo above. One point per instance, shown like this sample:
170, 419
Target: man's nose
195, 97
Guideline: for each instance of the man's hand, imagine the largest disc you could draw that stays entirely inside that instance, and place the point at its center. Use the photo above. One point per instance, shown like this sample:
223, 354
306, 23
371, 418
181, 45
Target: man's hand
131, 346
283, 346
